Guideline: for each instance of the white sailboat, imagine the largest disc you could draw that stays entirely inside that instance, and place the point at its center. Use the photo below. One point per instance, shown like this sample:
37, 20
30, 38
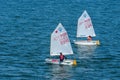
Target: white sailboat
85, 29
60, 43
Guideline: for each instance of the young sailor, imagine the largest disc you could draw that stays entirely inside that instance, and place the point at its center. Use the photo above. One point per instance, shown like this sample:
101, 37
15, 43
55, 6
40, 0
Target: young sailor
89, 38
62, 57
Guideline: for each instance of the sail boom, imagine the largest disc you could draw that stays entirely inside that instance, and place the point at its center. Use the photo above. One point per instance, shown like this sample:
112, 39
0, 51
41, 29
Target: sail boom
57, 54
85, 36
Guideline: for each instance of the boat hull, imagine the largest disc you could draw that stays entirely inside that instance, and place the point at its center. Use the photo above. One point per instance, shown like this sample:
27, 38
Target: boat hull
86, 42
56, 61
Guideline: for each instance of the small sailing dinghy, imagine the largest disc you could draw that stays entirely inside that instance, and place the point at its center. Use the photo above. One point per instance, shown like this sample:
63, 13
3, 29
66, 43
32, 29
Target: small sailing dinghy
60, 43
85, 29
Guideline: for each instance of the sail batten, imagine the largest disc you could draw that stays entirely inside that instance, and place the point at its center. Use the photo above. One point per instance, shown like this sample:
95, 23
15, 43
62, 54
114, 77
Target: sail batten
60, 42
85, 26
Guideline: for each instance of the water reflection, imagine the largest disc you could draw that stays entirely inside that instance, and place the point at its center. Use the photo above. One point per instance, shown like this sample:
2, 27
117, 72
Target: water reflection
60, 72
85, 51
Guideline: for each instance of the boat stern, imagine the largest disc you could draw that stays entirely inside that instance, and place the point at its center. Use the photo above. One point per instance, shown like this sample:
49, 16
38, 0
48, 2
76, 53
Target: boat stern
97, 42
74, 62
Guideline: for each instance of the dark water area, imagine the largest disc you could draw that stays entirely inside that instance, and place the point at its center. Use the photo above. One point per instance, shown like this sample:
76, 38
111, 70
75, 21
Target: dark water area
25, 29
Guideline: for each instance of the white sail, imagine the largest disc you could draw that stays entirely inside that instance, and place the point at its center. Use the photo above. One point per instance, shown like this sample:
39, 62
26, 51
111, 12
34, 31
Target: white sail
60, 42
84, 26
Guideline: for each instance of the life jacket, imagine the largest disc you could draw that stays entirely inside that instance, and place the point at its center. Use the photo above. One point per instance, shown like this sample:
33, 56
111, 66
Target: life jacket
61, 57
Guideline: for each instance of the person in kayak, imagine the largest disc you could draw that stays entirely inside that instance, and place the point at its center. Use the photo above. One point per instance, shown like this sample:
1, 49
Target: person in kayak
62, 57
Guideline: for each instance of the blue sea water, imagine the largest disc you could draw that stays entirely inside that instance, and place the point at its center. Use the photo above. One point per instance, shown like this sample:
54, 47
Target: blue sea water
25, 29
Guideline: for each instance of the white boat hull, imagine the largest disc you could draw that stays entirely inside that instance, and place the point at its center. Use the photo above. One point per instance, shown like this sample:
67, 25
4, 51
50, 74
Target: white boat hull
85, 42
56, 61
